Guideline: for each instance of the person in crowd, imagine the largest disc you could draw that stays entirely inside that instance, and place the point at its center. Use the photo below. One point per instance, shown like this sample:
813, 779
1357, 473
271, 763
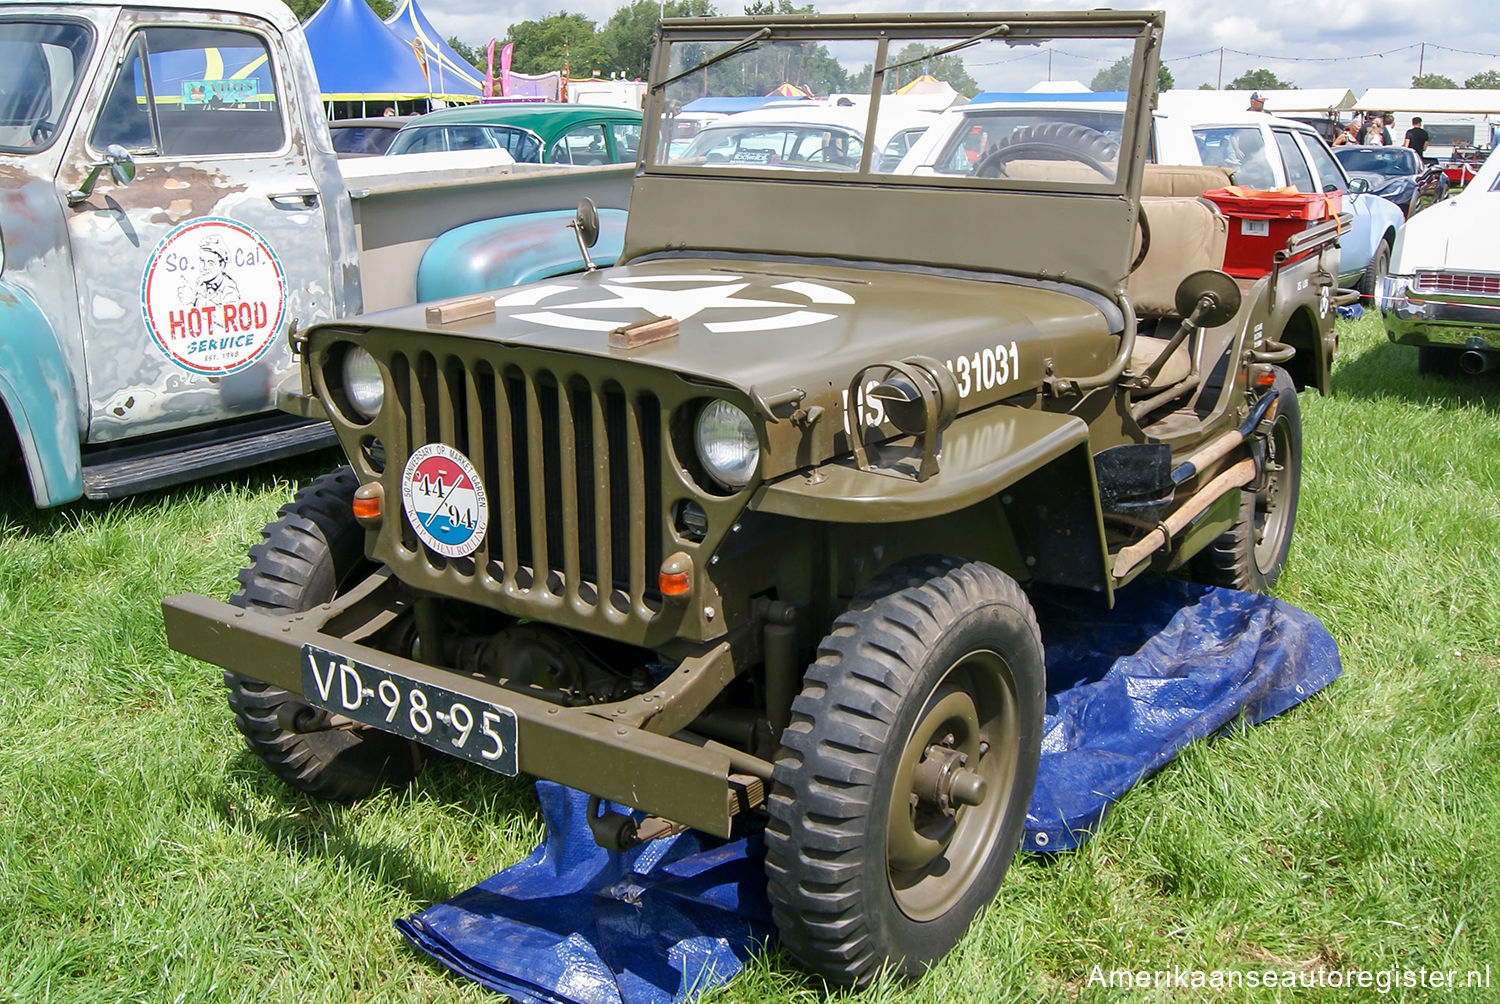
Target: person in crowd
1349, 135
1376, 133
1417, 138
1257, 103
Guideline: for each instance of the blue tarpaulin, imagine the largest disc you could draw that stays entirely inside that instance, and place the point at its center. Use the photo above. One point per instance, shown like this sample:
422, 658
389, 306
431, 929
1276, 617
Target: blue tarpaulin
1173, 662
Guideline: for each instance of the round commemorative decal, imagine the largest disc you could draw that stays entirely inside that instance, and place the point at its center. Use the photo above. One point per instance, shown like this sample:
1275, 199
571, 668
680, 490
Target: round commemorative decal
213, 296
444, 500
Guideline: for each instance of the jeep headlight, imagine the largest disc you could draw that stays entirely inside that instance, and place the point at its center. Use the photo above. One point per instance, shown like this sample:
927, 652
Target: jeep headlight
364, 387
728, 446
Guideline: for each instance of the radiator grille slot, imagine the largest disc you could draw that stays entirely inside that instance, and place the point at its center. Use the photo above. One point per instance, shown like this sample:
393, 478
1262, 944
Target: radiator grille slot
572, 471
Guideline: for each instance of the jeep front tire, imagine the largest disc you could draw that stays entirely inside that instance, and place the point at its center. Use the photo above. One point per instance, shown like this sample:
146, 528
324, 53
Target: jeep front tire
312, 550
904, 777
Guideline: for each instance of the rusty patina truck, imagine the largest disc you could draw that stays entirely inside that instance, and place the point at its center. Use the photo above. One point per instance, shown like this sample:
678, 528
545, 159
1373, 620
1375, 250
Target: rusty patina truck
171, 206
741, 530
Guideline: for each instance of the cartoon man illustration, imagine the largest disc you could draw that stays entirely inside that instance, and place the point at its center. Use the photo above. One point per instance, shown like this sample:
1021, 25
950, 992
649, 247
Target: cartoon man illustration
213, 285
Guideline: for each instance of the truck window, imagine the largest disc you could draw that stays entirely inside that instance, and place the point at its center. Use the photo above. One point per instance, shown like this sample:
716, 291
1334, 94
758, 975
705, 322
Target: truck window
187, 92
39, 64
1297, 171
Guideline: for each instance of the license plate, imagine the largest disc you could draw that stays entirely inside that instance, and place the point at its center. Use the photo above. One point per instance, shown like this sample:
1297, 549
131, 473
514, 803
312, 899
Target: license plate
459, 725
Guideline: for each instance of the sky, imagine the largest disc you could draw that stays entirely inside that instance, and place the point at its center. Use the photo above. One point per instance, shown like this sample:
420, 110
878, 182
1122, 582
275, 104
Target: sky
1356, 44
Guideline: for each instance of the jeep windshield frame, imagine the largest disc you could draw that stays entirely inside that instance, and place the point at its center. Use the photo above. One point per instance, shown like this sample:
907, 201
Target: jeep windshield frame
848, 201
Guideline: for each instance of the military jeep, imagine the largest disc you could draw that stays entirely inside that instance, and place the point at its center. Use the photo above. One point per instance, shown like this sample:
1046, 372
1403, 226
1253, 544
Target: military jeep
741, 530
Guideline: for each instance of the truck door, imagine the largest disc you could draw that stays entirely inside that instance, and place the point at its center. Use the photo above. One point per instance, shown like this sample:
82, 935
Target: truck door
189, 276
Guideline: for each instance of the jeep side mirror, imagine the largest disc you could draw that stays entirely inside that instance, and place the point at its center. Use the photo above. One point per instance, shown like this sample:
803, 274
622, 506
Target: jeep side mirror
585, 226
121, 167
1358, 186
587, 221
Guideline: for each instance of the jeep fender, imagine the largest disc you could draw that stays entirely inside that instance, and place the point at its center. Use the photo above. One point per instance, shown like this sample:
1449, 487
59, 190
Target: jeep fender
494, 254
1039, 464
37, 389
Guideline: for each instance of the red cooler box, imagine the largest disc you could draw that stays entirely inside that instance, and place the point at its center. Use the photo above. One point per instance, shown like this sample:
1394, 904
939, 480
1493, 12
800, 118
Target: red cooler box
1260, 223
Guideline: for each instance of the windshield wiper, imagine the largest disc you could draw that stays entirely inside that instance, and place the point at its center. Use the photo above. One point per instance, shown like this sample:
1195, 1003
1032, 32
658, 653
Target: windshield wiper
748, 42
999, 29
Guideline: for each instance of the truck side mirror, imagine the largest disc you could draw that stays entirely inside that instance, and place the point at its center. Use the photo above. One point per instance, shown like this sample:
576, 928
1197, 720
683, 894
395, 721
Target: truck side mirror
1358, 186
121, 164
121, 167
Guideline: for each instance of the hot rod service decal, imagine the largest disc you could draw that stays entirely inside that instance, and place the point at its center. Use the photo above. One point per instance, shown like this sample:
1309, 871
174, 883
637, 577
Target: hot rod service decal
213, 296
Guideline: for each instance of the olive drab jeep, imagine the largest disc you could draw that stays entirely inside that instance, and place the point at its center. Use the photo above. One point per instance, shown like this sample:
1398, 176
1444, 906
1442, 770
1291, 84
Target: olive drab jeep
740, 531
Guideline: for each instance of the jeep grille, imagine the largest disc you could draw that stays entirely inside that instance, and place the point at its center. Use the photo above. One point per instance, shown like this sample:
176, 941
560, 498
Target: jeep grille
572, 471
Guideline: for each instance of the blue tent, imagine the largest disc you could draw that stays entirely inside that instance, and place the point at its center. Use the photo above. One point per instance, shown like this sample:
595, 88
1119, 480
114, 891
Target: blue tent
357, 58
447, 68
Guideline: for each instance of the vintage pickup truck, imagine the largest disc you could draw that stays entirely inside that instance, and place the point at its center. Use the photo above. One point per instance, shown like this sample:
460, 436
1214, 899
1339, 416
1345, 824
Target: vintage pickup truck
171, 206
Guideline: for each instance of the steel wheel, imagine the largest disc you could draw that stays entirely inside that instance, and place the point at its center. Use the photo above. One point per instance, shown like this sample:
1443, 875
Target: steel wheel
1250, 554
952, 785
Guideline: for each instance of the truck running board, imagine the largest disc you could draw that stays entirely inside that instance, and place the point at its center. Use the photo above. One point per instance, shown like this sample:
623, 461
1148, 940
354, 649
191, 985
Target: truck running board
114, 471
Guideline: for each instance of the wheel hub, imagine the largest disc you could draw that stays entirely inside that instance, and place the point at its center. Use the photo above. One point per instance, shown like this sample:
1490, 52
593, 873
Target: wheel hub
940, 781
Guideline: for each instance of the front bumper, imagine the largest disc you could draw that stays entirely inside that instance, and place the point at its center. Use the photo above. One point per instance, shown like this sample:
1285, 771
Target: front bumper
606, 750
1414, 318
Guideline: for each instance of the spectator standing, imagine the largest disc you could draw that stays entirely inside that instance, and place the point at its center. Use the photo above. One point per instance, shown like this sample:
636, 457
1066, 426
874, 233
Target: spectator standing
1416, 137
1257, 103
1349, 135
1376, 132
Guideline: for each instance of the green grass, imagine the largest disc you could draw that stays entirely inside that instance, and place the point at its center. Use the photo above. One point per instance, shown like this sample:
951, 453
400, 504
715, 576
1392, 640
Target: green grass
144, 854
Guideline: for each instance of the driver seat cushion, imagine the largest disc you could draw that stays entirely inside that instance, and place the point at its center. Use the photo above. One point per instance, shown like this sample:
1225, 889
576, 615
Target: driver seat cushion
1187, 235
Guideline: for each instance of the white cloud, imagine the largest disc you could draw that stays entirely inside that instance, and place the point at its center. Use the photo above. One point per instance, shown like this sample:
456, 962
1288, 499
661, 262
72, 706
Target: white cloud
1317, 43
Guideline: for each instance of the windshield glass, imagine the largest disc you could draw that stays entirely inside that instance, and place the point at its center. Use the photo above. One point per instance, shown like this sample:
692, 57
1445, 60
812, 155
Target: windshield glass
756, 104
39, 68
1391, 163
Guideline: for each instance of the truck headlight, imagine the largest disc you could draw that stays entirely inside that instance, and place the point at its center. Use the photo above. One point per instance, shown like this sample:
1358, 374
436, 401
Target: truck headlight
364, 387
727, 444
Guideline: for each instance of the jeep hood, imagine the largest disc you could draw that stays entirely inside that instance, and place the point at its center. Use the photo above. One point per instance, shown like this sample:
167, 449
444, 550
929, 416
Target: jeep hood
765, 326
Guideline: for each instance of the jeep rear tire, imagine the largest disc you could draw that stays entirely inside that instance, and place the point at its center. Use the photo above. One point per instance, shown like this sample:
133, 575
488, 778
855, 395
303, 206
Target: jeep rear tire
904, 777
312, 550
1250, 554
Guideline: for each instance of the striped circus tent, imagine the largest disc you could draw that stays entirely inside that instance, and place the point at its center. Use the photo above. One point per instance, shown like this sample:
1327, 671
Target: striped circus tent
446, 68
357, 58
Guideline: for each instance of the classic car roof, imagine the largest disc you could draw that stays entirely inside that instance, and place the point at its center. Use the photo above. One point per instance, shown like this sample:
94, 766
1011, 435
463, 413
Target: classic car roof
539, 118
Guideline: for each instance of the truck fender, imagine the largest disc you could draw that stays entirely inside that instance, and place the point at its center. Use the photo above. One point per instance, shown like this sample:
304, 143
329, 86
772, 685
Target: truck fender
1038, 463
494, 254
37, 389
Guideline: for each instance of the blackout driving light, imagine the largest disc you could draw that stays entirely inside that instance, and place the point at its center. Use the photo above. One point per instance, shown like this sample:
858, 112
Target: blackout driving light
727, 444
364, 387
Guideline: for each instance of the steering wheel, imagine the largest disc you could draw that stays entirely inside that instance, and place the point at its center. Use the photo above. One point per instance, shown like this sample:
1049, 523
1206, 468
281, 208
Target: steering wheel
1064, 142
41, 132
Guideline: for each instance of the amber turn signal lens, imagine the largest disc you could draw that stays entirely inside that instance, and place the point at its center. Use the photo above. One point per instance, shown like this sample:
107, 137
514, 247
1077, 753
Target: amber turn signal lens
1262, 376
675, 577
367, 504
